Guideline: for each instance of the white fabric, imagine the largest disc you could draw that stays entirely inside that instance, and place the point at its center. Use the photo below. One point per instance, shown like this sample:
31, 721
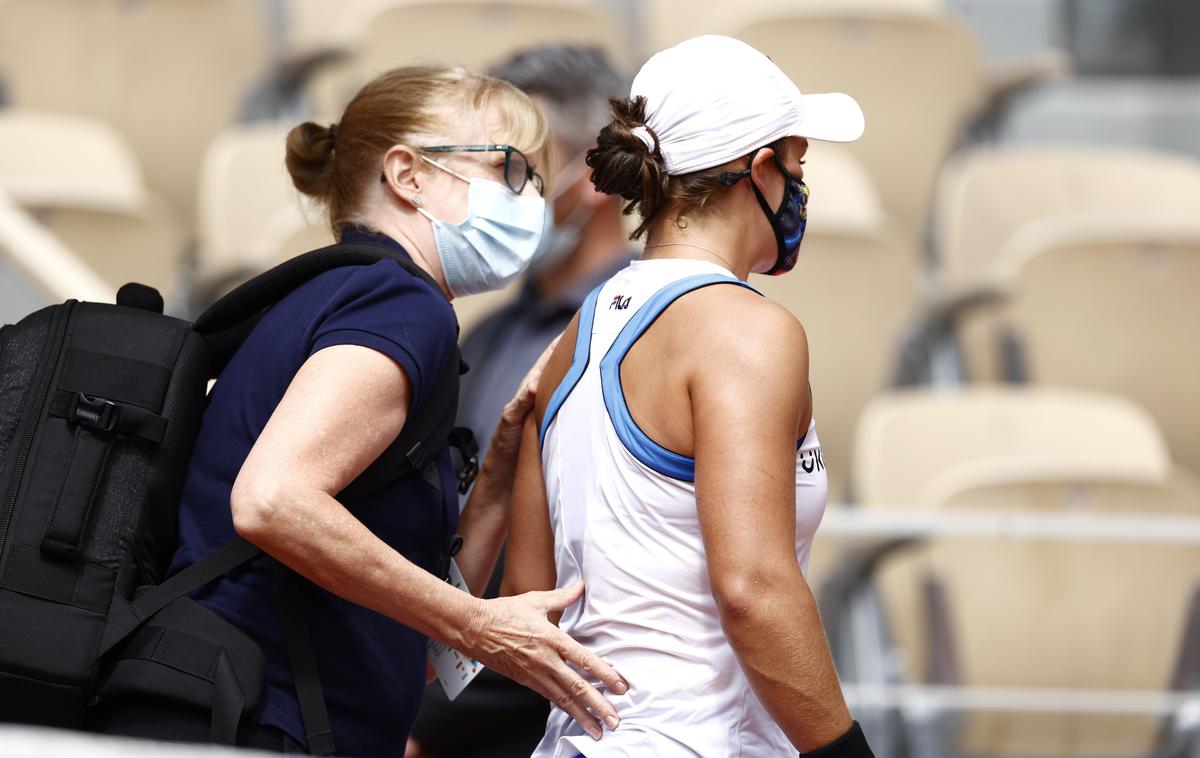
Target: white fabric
712, 99
634, 537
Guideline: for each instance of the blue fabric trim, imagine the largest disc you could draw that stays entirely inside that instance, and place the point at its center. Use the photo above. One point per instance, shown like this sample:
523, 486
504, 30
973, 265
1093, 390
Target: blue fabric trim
579, 362
636, 441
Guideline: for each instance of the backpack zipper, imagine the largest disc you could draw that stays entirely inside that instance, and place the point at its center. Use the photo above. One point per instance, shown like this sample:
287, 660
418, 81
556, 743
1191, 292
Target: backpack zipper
58, 327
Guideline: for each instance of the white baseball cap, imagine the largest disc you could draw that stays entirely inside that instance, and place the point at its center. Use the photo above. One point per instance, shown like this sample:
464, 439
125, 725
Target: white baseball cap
712, 99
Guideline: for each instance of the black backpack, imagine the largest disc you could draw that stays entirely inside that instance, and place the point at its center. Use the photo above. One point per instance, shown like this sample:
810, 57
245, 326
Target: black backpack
99, 408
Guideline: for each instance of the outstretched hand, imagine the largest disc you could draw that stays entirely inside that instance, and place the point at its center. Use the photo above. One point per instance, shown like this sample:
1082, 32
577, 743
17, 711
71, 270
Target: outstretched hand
512, 635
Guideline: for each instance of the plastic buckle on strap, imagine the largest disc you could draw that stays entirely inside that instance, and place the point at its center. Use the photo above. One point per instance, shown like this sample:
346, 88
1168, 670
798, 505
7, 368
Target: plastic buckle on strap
466, 477
96, 412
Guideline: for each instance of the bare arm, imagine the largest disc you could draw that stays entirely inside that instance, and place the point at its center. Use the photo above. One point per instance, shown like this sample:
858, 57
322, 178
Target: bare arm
342, 409
530, 562
747, 400
485, 518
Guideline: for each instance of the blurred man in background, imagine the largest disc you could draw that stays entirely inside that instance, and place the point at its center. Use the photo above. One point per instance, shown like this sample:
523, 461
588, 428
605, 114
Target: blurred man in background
586, 244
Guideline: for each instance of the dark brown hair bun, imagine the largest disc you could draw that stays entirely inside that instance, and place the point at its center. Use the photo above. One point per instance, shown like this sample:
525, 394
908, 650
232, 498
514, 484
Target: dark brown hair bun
623, 165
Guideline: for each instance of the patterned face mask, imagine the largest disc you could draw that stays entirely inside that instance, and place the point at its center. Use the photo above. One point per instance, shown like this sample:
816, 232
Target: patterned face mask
788, 222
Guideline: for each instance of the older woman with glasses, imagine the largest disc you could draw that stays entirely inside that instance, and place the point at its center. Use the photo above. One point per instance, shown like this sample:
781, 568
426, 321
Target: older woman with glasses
442, 169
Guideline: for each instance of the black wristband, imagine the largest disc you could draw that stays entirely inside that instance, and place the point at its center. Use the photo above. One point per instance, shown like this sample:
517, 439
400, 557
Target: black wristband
852, 744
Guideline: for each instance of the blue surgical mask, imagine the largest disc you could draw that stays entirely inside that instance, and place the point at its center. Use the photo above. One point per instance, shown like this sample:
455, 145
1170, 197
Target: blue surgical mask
496, 241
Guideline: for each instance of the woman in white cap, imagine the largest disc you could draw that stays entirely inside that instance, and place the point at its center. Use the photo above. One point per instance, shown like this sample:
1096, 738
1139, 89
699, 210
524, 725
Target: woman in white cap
680, 474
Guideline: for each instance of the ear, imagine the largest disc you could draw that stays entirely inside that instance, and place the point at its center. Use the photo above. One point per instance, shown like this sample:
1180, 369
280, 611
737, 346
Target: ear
402, 173
760, 174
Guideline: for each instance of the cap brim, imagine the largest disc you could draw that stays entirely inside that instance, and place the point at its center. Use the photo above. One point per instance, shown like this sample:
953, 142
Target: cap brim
831, 117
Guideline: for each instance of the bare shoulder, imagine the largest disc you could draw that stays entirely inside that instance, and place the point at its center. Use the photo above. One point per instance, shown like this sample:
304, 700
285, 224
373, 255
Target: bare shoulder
741, 327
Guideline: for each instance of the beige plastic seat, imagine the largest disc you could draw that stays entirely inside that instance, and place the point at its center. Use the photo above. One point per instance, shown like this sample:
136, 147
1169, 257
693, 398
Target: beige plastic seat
986, 196
384, 34
1064, 615
167, 74
245, 192
917, 73
79, 178
668, 22
1029, 614
33, 256
854, 289
1108, 304
907, 438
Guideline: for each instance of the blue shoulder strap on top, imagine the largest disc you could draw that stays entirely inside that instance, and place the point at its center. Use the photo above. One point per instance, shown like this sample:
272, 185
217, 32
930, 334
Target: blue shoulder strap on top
579, 362
635, 440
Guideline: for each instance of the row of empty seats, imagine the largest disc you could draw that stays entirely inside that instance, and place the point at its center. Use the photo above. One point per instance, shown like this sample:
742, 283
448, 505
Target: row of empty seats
1064, 614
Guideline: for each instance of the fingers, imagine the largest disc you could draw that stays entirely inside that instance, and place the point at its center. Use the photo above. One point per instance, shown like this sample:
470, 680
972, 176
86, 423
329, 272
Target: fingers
563, 597
574, 696
430, 673
590, 663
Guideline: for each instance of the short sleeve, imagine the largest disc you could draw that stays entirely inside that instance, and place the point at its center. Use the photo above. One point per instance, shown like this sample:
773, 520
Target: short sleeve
385, 308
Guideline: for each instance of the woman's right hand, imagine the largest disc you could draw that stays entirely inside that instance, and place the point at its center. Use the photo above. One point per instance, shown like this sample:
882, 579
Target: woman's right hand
512, 635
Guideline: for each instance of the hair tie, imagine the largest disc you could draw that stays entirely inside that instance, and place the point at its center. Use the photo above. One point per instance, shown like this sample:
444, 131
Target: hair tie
333, 133
647, 136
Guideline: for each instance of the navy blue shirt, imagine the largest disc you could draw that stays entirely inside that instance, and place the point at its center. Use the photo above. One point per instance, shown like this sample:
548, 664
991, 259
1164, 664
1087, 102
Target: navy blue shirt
372, 668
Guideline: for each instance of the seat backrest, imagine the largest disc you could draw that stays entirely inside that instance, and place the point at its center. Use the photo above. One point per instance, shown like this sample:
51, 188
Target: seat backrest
168, 74
243, 185
54, 160
383, 34
32, 254
987, 195
79, 178
917, 74
669, 22
906, 438
854, 289
1111, 305
1059, 614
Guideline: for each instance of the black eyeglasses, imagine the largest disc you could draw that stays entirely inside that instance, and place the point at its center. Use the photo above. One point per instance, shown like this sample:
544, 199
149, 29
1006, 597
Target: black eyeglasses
517, 170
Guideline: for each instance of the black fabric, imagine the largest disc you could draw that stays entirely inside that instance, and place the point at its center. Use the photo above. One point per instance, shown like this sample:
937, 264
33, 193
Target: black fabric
124, 620
852, 744
164, 720
317, 729
189, 654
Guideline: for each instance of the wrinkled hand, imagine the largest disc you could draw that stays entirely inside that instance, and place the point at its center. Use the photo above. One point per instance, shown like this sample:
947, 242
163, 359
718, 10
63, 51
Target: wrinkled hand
511, 635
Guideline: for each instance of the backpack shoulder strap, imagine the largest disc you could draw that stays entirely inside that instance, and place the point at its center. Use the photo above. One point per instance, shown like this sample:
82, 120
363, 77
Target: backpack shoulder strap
227, 322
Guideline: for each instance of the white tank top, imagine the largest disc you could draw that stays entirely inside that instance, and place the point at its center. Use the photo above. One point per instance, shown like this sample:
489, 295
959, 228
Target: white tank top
623, 510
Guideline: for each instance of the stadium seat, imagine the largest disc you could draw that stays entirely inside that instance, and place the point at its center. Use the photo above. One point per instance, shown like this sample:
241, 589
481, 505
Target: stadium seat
244, 190
907, 438
167, 74
854, 289
1069, 615
36, 269
917, 73
472, 33
1107, 304
914, 447
987, 195
79, 177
